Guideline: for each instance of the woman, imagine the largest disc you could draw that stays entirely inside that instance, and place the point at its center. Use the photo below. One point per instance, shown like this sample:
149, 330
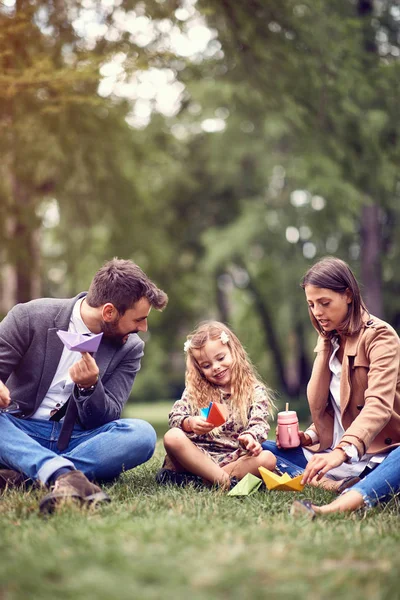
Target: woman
354, 390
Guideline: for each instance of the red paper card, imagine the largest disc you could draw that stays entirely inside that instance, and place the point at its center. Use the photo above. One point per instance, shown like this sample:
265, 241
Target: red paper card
217, 414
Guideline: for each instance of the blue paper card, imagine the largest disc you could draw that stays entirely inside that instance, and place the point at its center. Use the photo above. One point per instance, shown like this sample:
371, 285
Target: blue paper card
205, 411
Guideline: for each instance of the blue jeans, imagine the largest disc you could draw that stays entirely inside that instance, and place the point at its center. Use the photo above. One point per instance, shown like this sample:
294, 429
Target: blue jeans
382, 482
291, 461
30, 447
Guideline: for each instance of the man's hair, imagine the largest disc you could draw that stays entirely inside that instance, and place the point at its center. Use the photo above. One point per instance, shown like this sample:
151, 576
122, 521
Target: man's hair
123, 283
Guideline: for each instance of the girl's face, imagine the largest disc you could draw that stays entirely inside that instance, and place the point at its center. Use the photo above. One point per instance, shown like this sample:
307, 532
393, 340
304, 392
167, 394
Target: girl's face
215, 362
328, 307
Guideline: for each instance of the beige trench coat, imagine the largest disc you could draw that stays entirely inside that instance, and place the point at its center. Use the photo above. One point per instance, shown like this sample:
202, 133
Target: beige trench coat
369, 390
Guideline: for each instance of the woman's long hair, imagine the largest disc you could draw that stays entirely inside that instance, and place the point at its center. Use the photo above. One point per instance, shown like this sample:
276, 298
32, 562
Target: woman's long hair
244, 377
334, 274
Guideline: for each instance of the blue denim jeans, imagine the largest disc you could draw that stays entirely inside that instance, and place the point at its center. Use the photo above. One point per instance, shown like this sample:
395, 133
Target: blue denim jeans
291, 461
30, 446
382, 482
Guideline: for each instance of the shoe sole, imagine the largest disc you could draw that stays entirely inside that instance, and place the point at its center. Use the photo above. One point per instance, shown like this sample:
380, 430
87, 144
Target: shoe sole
298, 509
49, 504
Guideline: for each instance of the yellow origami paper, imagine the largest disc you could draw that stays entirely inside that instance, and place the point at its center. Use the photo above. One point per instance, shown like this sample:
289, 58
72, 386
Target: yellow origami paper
281, 482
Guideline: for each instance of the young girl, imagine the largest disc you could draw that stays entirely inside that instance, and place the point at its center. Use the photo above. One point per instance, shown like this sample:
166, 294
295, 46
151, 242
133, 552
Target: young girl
218, 370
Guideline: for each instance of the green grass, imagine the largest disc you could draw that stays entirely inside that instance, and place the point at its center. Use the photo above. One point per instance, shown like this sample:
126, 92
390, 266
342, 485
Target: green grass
158, 542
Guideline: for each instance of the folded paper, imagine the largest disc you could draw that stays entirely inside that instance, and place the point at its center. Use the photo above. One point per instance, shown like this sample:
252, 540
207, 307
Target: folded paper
215, 413
80, 342
281, 482
204, 411
246, 486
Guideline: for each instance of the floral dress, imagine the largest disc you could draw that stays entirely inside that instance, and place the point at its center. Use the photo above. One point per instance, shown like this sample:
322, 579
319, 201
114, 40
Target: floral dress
222, 444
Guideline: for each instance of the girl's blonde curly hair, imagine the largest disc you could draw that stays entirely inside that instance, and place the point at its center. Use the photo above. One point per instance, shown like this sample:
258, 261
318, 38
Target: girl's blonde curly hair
244, 377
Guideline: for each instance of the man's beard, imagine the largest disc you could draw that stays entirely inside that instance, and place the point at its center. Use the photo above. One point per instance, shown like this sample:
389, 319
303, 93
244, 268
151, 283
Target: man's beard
110, 331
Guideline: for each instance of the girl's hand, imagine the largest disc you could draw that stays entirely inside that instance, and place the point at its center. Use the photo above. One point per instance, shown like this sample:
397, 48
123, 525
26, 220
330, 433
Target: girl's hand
198, 425
250, 444
320, 464
85, 372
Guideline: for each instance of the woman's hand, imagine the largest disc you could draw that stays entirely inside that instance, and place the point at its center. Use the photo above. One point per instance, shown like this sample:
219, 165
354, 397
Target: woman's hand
197, 425
320, 464
250, 444
305, 439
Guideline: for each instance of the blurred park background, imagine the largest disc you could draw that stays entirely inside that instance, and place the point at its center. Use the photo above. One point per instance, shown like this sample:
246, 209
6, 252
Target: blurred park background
222, 145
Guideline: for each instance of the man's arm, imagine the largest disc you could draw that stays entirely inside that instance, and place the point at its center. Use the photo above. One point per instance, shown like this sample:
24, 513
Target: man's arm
106, 401
14, 340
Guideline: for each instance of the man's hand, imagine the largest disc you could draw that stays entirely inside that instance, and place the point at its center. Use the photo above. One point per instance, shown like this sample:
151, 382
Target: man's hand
320, 464
85, 372
250, 444
198, 425
5, 397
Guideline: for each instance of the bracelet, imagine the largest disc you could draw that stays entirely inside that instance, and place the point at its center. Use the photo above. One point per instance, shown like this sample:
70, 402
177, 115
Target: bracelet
86, 391
187, 421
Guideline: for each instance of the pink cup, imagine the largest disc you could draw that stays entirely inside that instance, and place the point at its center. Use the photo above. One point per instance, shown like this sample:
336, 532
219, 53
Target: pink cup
288, 429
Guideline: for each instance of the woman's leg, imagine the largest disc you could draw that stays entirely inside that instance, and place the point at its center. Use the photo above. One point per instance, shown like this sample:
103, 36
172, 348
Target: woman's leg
181, 449
382, 483
351, 500
250, 464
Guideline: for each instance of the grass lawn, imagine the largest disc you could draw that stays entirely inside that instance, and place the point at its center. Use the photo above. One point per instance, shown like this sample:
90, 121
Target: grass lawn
160, 542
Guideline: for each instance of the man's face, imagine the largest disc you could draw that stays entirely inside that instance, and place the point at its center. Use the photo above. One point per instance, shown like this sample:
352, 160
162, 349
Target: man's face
132, 321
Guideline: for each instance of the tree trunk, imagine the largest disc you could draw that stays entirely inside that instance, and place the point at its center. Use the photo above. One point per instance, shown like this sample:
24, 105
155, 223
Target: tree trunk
371, 270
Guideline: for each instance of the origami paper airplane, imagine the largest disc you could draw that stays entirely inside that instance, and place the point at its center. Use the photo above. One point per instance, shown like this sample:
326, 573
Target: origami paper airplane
281, 482
81, 342
246, 486
215, 413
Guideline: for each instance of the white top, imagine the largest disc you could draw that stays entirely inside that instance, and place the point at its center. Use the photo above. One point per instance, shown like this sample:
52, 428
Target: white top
62, 385
344, 470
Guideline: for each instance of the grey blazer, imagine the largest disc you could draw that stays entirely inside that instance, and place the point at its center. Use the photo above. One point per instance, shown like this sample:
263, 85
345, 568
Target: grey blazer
30, 352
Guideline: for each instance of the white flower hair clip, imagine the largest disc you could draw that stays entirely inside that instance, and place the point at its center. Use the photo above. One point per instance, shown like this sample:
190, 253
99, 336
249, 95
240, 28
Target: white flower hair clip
186, 345
224, 337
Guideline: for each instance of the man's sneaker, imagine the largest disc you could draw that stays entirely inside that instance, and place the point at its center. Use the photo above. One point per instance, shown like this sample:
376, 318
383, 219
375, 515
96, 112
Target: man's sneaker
11, 479
73, 486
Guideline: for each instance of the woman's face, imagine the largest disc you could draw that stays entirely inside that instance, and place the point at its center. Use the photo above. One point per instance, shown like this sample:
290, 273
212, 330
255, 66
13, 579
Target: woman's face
328, 307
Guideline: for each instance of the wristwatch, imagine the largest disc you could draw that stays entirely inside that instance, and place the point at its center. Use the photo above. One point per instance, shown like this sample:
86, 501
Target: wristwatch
351, 453
86, 391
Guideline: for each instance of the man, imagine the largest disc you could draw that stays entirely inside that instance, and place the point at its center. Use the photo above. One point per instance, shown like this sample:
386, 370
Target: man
48, 381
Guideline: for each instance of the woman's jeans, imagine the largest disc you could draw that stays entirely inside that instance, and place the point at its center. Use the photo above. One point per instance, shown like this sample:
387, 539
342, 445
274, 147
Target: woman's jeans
30, 447
291, 461
382, 482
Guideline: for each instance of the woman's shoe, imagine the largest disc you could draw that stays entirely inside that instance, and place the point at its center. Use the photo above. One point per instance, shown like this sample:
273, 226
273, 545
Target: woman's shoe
302, 508
346, 483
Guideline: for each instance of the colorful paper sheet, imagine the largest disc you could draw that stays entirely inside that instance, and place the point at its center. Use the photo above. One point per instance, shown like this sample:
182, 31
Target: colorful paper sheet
215, 413
246, 486
281, 482
80, 342
204, 411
